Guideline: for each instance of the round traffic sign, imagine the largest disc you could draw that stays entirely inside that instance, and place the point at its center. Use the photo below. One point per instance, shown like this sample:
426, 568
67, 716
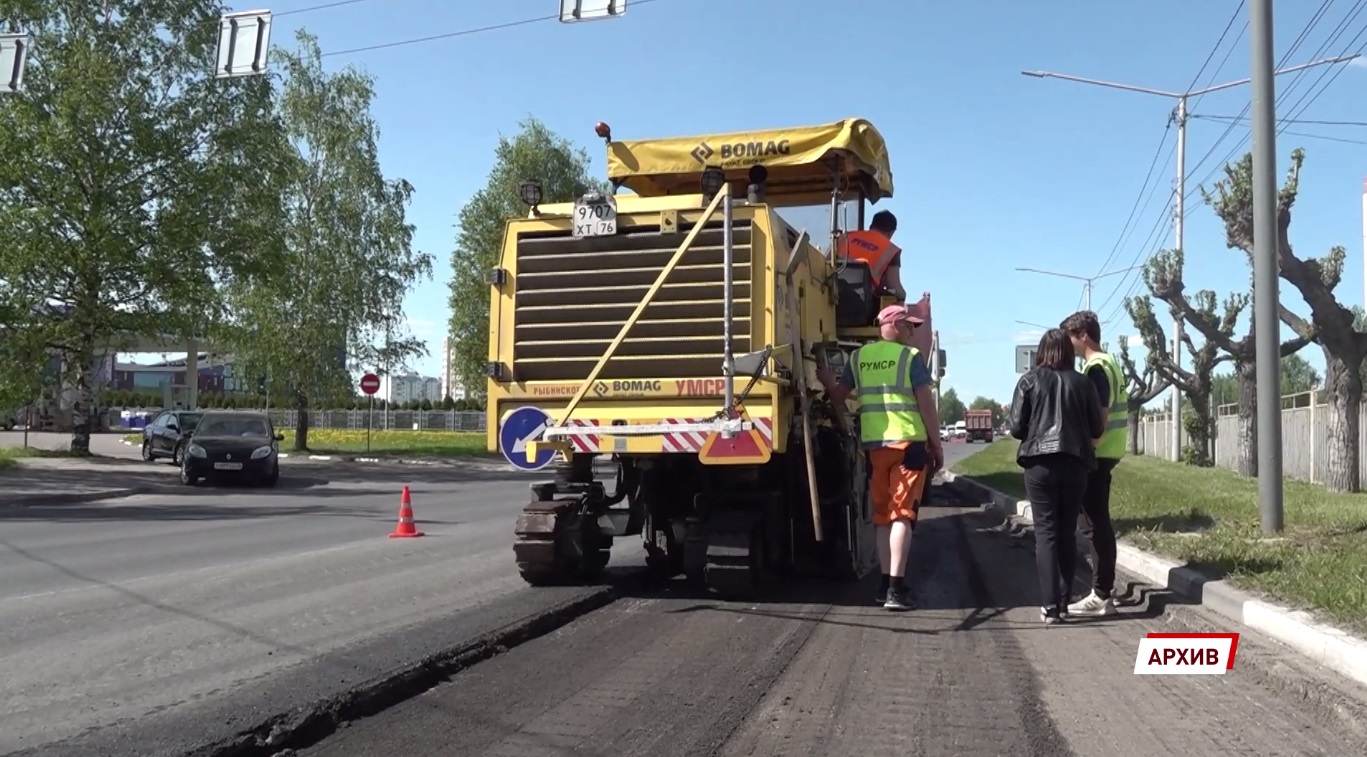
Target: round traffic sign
522, 425
370, 383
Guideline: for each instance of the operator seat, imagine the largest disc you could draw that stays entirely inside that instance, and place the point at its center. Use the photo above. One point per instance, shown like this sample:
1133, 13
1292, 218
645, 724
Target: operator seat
859, 301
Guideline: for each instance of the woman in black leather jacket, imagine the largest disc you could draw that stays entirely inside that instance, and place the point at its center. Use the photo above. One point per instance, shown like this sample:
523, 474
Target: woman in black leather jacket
1056, 415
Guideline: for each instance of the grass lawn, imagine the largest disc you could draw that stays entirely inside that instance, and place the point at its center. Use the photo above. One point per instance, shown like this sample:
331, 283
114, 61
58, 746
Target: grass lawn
324, 441
1208, 517
8, 455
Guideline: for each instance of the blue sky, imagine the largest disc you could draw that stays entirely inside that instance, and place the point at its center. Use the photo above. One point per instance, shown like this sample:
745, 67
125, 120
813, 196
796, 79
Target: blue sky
994, 170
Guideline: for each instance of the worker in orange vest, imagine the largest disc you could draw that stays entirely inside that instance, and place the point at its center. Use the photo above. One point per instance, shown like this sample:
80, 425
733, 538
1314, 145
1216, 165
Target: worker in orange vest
875, 249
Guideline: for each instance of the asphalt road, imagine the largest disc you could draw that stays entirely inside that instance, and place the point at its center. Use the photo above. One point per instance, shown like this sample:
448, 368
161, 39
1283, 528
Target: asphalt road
822, 672
149, 625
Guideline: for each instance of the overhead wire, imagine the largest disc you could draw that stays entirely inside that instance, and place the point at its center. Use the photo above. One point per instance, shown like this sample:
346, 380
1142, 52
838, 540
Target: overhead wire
462, 32
1129, 221
1192, 193
1287, 92
1136, 276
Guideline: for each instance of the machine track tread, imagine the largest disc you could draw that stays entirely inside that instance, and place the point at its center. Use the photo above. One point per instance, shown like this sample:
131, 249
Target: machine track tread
549, 552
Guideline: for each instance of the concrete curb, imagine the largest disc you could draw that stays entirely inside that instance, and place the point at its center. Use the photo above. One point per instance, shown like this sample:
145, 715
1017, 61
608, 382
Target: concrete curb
48, 500
1298, 630
447, 462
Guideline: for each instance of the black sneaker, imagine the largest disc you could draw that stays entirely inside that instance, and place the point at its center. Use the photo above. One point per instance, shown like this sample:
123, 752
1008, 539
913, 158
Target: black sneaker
1050, 615
899, 599
882, 595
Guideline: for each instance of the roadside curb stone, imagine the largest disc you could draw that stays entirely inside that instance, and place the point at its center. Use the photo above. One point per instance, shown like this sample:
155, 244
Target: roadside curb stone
1328, 646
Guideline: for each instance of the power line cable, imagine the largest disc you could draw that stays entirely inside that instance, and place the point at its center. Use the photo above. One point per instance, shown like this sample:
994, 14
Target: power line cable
1153, 164
323, 6
1337, 32
1229, 130
1127, 230
462, 32
1302, 121
1233, 17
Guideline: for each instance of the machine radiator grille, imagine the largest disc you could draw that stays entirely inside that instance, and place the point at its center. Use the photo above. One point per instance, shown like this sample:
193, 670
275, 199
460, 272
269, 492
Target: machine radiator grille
573, 295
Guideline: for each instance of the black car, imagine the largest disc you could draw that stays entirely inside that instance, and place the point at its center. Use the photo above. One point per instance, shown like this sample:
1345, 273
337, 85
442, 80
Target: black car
234, 444
165, 435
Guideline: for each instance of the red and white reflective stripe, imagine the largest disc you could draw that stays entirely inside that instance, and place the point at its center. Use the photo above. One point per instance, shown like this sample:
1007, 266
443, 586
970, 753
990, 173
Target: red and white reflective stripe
684, 441
587, 443
693, 441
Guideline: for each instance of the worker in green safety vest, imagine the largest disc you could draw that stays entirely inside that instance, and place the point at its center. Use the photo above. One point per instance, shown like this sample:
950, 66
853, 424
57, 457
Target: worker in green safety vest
892, 383
1104, 372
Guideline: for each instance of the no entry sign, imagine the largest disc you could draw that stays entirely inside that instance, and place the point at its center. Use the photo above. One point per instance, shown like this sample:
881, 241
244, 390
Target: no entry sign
370, 383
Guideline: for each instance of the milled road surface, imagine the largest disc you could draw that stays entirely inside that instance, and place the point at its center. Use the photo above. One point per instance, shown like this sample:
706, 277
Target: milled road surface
822, 672
150, 625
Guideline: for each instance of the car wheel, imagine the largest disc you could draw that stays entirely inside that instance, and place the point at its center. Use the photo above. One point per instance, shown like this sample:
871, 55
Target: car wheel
178, 455
147, 450
272, 478
186, 476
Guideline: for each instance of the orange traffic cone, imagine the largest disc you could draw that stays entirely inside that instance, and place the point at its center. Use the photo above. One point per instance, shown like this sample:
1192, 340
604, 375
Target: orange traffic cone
405, 529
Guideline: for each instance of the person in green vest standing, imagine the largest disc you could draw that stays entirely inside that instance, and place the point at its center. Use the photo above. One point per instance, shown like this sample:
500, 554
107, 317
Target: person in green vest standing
897, 411
1104, 373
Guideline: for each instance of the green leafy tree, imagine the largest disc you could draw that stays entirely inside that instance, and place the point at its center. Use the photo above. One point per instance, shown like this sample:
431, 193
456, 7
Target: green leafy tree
1331, 324
987, 403
1142, 387
534, 153
132, 183
951, 407
1164, 276
344, 234
1195, 382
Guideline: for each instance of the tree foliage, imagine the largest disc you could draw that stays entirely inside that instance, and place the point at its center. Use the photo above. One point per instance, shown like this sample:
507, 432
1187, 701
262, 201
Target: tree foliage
344, 235
1142, 387
1331, 324
1163, 275
951, 407
987, 403
1195, 382
1298, 376
131, 181
535, 153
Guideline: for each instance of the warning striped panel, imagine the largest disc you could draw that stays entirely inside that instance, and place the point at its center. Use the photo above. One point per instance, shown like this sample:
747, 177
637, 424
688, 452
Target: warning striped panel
693, 441
587, 443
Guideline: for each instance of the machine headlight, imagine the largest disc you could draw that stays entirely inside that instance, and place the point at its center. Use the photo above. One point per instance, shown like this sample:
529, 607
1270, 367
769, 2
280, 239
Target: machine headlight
261, 452
195, 450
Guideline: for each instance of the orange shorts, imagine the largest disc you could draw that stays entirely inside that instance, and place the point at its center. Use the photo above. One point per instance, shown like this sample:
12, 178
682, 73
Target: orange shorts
895, 491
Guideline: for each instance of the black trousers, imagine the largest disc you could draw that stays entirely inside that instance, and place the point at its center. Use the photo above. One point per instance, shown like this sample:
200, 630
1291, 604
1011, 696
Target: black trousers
1097, 527
1055, 485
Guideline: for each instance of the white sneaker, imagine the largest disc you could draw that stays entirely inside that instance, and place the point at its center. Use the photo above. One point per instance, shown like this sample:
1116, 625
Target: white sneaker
1092, 606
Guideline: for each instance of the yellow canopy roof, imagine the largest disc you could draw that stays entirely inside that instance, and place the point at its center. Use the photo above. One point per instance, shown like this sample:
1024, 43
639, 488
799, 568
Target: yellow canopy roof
802, 162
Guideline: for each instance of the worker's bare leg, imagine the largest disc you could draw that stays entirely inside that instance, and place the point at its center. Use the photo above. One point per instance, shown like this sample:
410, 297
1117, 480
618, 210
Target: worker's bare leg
899, 547
884, 542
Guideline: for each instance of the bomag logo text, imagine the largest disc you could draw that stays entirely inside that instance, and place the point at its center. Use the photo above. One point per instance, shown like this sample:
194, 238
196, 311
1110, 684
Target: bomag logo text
755, 149
733, 151
635, 386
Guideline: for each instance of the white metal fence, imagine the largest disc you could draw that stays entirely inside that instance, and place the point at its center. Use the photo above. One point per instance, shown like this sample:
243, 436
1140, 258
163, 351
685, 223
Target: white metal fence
402, 420
1305, 437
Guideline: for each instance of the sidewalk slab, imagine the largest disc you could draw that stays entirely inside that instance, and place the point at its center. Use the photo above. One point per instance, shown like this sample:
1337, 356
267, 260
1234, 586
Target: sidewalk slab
44, 481
1299, 630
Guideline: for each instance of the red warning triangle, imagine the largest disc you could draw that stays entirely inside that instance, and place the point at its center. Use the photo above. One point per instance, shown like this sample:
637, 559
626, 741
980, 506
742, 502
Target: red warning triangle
745, 448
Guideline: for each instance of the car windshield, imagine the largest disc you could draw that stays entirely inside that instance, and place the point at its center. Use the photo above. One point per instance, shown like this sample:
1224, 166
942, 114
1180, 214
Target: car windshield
229, 426
188, 421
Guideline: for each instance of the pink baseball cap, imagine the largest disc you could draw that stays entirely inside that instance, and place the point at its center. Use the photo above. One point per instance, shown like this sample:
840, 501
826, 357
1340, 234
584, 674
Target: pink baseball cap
894, 313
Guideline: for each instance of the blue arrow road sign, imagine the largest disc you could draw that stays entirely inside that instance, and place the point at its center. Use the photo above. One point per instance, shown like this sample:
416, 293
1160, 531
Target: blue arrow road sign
525, 424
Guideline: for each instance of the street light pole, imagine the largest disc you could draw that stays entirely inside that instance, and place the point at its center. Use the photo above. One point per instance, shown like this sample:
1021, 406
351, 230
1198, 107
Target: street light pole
1086, 281
1179, 205
1265, 274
